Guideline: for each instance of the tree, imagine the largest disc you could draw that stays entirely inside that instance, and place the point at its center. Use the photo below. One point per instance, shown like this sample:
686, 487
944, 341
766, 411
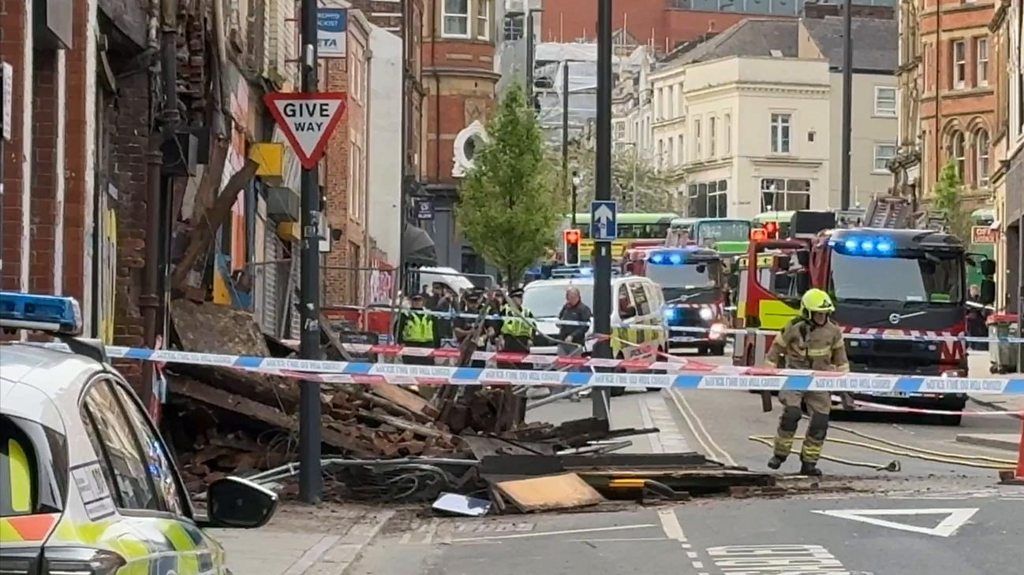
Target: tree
508, 206
636, 183
949, 202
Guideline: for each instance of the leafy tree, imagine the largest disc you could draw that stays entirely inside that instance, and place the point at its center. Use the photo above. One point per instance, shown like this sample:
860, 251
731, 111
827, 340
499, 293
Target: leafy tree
948, 202
653, 191
508, 207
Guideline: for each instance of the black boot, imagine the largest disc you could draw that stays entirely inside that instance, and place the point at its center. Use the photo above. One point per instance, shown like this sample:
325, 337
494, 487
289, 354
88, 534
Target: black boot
810, 469
776, 462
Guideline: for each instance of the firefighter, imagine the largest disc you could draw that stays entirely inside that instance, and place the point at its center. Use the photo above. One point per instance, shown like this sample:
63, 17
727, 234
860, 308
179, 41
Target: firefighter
810, 341
517, 327
417, 328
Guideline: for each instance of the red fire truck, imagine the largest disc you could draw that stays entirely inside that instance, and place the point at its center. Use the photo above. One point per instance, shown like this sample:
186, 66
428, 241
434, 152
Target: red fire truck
884, 281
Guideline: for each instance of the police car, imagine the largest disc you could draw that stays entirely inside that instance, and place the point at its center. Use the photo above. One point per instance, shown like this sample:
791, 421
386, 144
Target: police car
87, 485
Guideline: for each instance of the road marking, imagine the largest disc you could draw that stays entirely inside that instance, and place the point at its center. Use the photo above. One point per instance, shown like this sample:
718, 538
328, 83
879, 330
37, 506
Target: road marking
694, 422
754, 559
565, 532
670, 525
955, 518
616, 539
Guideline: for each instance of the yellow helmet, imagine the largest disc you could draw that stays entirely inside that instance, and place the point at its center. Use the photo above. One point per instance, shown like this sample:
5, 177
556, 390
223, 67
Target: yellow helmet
816, 300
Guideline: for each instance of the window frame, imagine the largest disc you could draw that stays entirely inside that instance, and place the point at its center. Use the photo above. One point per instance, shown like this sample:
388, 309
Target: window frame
727, 134
958, 67
463, 16
959, 140
981, 65
781, 122
483, 17
882, 170
884, 112
982, 177
698, 149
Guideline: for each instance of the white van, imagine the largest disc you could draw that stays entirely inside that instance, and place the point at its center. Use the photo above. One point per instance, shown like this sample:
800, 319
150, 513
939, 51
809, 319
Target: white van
454, 279
638, 328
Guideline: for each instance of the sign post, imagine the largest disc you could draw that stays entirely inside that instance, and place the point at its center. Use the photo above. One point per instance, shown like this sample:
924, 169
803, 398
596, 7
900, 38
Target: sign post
307, 120
603, 194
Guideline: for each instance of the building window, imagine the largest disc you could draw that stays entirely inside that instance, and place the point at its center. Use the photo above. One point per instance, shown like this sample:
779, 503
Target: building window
712, 136
681, 151
783, 194
708, 200
670, 154
455, 15
483, 20
885, 101
958, 155
697, 148
727, 134
883, 153
959, 64
981, 157
780, 133
620, 131
981, 60
661, 153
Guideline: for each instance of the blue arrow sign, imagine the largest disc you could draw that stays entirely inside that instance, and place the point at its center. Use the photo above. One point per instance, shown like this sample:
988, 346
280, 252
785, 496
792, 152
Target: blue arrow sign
602, 220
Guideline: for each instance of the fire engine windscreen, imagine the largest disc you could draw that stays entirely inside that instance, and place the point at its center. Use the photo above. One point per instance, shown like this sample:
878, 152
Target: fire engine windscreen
545, 301
678, 280
931, 278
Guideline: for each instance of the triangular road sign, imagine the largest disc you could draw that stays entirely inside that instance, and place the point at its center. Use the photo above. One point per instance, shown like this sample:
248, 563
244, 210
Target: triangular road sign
953, 520
307, 120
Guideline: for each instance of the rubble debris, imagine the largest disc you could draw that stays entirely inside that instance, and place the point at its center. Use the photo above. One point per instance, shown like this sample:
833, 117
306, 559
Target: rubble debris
548, 493
455, 504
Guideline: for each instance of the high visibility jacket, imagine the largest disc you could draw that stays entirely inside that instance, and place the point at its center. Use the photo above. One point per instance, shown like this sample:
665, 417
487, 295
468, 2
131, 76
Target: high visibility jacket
805, 345
418, 327
516, 323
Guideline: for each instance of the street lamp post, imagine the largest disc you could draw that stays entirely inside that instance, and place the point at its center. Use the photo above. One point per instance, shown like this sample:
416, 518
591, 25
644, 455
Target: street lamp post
602, 191
577, 181
530, 48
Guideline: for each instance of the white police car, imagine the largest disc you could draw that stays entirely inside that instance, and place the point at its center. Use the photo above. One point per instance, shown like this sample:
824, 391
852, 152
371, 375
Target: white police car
87, 486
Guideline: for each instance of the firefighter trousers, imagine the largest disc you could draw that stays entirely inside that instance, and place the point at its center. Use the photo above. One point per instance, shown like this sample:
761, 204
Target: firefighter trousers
819, 404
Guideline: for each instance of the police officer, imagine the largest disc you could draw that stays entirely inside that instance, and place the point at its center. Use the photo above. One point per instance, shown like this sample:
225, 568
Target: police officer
465, 324
517, 326
417, 328
811, 341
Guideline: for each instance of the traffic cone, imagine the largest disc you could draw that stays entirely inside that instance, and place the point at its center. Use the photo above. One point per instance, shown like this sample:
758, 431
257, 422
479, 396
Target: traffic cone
1016, 477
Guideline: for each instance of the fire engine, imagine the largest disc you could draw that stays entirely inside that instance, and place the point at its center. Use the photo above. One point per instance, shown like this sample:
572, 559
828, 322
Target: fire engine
885, 280
692, 279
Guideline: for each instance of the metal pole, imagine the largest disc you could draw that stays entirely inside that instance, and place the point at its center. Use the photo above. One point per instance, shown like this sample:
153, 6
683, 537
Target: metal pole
847, 102
572, 214
565, 130
603, 191
529, 55
1020, 292
310, 480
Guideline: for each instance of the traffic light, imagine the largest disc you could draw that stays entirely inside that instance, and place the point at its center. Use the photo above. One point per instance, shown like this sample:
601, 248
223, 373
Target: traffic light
772, 229
571, 247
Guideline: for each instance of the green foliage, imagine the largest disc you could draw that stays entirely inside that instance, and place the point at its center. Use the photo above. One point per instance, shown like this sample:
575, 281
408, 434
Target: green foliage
508, 206
654, 192
949, 201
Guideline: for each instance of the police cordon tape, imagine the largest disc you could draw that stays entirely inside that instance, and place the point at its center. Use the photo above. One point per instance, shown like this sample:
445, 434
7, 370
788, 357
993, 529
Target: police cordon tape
855, 333
746, 378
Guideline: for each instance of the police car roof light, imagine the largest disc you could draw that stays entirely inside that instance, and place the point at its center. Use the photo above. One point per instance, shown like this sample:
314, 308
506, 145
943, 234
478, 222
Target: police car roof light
53, 314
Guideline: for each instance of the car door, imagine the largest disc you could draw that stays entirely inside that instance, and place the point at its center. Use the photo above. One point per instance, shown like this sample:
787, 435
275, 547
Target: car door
642, 323
146, 487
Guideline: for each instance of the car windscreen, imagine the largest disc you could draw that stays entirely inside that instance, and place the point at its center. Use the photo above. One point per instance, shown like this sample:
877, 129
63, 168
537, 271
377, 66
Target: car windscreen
547, 300
678, 279
933, 278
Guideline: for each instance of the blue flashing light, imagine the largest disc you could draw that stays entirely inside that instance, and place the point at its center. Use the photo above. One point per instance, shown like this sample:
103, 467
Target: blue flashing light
54, 314
657, 258
869, 246
671, 313
884, 247
851, 245
676, 259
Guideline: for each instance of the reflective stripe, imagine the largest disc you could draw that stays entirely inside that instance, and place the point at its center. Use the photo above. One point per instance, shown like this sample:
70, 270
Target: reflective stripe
20, 477
26, 527
819, 351
188, 563
839, 344
419, 328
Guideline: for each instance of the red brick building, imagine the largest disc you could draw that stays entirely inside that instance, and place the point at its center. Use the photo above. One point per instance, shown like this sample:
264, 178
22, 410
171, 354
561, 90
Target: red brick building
948, 87
459, 82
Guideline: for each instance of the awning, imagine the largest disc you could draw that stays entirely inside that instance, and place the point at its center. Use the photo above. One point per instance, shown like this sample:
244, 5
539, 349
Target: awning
418, 247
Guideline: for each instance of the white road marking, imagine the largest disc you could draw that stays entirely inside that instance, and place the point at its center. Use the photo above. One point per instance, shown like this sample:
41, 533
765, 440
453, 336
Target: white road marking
955, 518
691, 554
670, 525
616, 539
565, 532
773, 559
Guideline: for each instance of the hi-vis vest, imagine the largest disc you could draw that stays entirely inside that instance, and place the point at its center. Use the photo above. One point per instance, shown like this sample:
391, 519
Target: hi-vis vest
515, 323
418, 328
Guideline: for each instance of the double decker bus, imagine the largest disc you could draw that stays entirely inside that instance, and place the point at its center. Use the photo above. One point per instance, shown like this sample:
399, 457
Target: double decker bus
727, 236
629, 227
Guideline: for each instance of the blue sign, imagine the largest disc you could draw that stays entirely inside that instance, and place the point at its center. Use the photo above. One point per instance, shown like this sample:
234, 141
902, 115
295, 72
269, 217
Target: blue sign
602, 220
331, 32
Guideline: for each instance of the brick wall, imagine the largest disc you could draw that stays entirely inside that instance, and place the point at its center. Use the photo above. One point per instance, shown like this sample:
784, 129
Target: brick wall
12, 12
43, 210
75, 160
336, 283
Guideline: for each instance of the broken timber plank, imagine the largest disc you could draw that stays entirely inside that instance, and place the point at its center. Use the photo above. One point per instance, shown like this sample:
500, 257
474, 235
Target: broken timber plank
565, 491
416, 428
406, 398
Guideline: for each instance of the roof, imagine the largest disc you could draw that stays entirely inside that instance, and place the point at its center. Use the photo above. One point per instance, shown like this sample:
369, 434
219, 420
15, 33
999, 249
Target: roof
751, 37
876, 42
35, 382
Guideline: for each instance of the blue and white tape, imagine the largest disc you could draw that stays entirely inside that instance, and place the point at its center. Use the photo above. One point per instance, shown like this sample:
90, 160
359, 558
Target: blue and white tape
745, 379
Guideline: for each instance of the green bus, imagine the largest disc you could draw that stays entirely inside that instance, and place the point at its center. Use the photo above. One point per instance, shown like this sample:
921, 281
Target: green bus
629, 227
728, 236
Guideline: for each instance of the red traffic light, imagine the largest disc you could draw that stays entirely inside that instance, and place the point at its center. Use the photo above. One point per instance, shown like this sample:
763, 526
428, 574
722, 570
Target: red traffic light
758, 234
772, 229
572, 236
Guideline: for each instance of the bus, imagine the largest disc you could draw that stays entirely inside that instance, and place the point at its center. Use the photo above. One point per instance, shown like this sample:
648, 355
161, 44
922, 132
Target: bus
780, 218
728, 236
629, 227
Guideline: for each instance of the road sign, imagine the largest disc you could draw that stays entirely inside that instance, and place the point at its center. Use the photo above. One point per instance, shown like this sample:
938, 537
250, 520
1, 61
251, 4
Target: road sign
307, 120
602, 220
984, 235
332, 31
952, 520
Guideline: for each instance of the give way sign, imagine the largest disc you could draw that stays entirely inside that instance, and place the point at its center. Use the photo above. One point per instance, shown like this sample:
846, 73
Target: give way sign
307, 120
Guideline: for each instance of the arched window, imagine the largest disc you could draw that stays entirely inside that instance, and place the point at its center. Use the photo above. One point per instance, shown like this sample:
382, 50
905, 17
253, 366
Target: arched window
958, 153
981, 157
